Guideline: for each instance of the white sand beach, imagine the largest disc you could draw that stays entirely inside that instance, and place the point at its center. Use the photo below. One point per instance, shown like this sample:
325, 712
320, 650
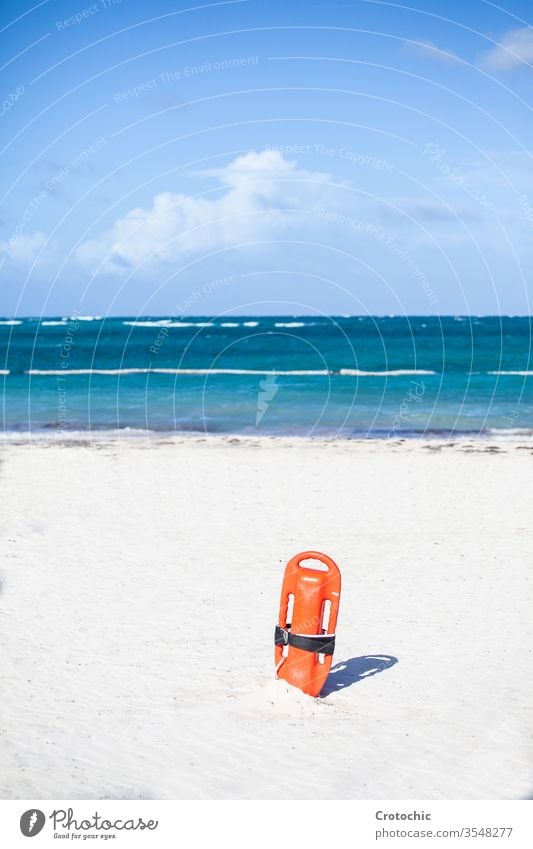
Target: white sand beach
140, 582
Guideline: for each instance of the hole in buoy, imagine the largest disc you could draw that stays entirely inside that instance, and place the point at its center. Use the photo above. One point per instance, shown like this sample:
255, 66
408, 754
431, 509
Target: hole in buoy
288, 619
324, 619
326, 610
290, 609
316, 565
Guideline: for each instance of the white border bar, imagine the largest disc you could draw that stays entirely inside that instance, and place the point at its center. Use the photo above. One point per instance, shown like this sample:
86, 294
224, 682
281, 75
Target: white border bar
258, 824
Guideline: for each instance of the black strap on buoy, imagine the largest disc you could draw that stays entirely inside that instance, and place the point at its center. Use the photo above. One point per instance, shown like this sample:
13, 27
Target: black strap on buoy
319, 643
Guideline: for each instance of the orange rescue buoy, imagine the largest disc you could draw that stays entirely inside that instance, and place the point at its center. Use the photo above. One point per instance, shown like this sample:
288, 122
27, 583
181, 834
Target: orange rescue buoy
305, 635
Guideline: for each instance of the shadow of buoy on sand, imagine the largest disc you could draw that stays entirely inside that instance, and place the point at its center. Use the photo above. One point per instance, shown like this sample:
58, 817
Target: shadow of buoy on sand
349, 672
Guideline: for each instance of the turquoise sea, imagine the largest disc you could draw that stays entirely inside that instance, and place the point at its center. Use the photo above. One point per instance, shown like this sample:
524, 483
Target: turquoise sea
312, 375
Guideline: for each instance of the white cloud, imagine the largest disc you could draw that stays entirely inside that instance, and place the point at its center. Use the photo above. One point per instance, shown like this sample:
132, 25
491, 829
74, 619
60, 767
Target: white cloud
259, 193
515, 50
428, 50
23, 248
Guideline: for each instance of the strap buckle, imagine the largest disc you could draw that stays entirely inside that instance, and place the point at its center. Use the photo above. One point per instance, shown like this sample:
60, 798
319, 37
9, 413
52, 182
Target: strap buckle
281, 636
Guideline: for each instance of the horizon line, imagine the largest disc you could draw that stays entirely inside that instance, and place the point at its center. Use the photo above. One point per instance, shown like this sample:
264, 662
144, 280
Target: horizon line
176, 317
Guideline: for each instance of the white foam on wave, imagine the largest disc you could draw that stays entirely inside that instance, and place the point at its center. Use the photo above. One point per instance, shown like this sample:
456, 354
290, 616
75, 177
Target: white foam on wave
518, 430
4, 371
50, 372
86, 318
186, 371
510, 432
191, 324
242, 371
354, 372
250, 323
229, 324
289, 324
166, 322
54, 323
275, 372
189, 371
11, 321
521, 373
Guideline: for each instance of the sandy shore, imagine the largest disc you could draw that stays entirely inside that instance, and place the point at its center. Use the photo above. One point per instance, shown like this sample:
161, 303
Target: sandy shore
139, 590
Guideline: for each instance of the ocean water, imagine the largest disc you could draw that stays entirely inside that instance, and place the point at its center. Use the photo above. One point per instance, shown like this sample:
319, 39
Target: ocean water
308, 376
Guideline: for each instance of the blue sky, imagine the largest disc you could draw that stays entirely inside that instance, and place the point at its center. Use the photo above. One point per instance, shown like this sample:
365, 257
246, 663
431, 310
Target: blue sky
286, 158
